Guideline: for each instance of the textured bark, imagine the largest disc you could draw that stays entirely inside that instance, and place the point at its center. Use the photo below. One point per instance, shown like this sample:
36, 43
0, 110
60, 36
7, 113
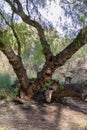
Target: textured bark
18, 67
70, 90
72, 48
60, 59
56, 92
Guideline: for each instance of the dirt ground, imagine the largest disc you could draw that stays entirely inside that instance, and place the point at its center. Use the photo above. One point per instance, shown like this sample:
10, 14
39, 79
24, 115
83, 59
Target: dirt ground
72, 115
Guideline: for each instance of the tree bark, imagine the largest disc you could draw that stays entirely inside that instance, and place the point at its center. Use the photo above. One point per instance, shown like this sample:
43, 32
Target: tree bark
70, 90
55, 92
18, 68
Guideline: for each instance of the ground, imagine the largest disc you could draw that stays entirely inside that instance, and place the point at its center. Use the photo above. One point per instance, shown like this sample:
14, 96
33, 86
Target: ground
71, 115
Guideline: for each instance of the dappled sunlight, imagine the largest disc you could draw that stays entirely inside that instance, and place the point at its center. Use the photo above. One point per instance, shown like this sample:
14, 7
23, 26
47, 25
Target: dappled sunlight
36, 116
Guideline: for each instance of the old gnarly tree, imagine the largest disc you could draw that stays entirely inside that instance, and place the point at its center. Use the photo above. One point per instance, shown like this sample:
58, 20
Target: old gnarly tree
29, 87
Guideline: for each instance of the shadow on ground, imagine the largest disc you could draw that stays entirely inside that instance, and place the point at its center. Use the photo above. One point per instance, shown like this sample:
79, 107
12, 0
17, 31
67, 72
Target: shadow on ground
72, 115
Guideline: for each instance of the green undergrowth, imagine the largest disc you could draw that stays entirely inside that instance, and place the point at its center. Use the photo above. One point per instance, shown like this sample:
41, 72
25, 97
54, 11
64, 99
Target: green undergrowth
82, 124
6, 90
5, 80
1, 128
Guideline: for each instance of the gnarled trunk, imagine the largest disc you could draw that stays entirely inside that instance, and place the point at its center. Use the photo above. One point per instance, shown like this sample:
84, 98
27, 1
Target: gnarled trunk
71, 90
30, 87
18, 68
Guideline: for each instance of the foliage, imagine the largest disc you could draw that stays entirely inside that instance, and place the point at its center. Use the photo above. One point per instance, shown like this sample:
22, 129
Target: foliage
22, 32
6, 93
69, 18
46, 85
1, 128
6, 90
5, 80
82, 124
57, 43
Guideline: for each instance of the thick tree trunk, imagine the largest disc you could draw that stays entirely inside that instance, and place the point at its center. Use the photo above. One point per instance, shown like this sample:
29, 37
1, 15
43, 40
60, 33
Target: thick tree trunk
55, 92
19, 70
30, 87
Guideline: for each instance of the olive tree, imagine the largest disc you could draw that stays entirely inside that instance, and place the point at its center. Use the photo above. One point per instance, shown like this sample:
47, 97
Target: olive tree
30, 13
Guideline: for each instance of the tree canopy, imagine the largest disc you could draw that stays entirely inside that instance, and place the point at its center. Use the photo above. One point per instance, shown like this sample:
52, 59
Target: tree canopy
65, 16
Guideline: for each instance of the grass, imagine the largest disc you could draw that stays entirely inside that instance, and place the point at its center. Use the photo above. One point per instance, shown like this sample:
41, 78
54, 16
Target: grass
6, 90
1, 128
5, 80
82, 124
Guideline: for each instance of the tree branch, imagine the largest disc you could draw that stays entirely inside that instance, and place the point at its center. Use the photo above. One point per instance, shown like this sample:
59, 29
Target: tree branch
71, 49
46, 47
1, 44
14, 31
27, 8
15, 61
